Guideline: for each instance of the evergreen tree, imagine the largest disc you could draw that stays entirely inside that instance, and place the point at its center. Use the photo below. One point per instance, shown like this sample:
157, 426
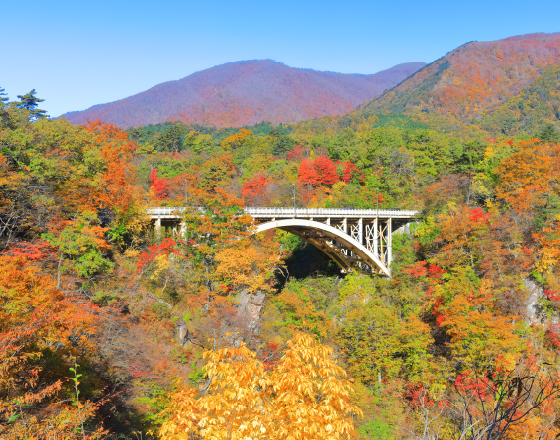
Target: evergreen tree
3, 101
171, 139
549, 134
284, 144
30, 102
3, 96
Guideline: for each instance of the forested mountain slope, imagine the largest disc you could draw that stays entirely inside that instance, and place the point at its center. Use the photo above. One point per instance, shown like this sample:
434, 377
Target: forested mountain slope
472, 81
245, 93
534, 106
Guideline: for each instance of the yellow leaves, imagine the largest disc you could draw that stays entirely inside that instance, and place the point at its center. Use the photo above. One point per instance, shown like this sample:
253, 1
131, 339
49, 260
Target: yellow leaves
530, 174
548, 254
481, 186
428, 226
131, 253
162, 263
479, 334
248, 265
236, 140
306, 396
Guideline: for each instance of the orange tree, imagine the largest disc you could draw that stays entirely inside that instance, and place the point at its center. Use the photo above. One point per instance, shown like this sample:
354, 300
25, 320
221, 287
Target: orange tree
530, 184
39, 325
52, 169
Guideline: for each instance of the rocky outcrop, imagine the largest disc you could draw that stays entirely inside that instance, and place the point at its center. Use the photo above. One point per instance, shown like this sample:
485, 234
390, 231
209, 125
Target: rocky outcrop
250, 309
533, 308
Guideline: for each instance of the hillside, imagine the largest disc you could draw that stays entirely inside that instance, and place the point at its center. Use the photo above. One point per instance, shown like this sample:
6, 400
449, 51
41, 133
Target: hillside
537, 104
245, 93
471, 81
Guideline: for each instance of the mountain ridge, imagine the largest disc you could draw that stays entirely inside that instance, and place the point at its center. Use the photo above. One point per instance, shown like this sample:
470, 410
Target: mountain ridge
245, 93
470, 81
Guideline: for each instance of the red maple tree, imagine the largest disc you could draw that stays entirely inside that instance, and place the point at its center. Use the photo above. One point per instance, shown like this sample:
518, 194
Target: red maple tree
161, 189
321, 171
351, 173
254, 189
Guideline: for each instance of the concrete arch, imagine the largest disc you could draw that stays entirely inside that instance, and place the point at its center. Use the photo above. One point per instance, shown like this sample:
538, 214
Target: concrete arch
319, 234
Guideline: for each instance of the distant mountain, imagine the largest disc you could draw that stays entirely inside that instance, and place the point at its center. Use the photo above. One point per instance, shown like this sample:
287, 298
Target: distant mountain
246, 93
471, 83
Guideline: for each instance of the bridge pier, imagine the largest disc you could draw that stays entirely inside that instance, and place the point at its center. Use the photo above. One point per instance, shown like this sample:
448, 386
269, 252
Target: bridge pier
157, 227
389, 240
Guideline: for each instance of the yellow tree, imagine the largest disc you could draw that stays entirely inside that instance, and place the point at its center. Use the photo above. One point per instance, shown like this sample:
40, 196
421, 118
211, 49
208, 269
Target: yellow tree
250, 263
306, 396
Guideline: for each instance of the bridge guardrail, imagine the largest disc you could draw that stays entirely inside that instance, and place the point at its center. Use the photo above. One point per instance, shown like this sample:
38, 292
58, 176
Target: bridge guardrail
165, 211
330, 212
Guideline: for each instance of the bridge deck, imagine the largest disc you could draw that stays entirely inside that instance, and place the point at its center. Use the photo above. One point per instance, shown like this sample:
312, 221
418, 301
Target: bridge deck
268, 213
329, 212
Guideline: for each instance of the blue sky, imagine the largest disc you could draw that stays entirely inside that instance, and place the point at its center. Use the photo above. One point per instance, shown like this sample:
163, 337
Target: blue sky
77, 54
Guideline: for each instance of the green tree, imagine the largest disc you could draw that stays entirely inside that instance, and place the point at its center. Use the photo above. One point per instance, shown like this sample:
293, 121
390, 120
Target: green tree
30, 103
548, 134
171, 139
82, 247
347, 146
283, 144
3, 96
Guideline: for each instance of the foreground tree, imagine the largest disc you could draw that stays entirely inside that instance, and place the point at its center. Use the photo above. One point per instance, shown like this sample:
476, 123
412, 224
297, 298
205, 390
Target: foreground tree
41, 330
518, 404
304, 396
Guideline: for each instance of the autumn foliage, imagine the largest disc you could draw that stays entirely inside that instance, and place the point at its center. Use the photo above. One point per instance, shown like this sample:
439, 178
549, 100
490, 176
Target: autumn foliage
306, 395
321, 171
192, 326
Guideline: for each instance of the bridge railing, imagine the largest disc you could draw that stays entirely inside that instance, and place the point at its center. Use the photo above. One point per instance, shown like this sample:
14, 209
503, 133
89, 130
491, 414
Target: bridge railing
164, 211
330, 212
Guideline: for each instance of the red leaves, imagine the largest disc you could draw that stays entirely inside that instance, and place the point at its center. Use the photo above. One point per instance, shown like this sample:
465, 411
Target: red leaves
321, 171
551, 295
479, 387
424, 269
553, 335
351, 173
160, 186
435, 272
419, 396
477, 215
418, 269
297, 154
253, 190
270, 356
32, 251
167, 246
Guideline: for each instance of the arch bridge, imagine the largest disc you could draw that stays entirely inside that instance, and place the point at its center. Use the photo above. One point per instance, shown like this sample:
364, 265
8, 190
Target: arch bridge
356, 239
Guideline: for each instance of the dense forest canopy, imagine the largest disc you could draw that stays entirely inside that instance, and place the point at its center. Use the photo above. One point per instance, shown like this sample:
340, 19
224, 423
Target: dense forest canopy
109, 330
